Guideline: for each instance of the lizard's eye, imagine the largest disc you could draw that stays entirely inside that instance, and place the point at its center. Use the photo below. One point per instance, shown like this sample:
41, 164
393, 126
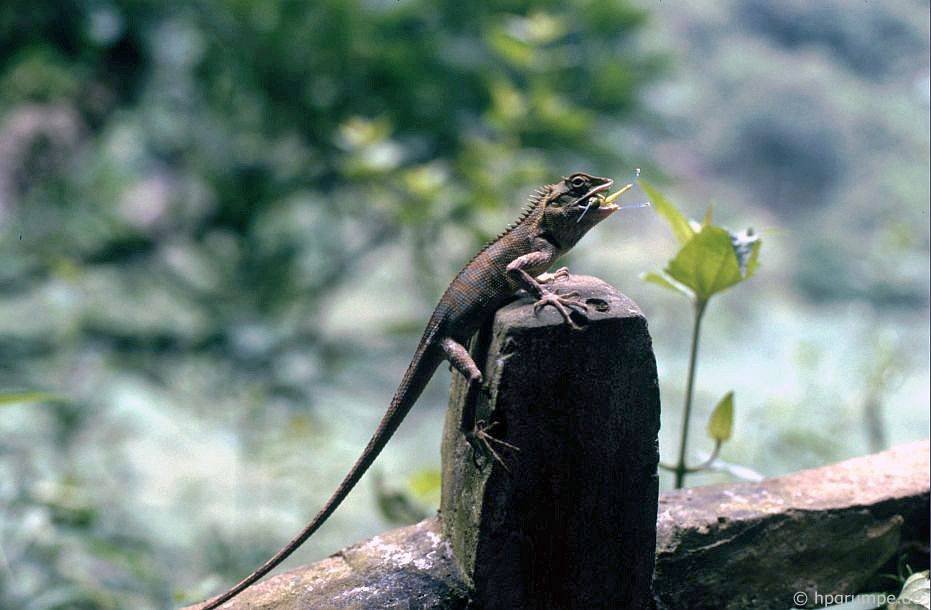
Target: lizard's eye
577, 182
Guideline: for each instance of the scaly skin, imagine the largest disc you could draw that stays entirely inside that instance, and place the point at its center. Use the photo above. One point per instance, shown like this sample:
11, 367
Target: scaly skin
557, 216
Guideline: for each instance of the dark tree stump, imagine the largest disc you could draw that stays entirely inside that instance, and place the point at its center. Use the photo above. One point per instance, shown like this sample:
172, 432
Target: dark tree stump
570, 521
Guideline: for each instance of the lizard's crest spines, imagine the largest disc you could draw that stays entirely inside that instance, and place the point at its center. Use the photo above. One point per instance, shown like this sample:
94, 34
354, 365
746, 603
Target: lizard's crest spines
533, 203
538, 196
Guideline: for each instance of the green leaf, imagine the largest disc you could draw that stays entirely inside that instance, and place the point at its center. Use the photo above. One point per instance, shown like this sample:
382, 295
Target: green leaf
916, 593
425, 483
677, 221
707, 264
661, 279
721, 422
709, 213
13, 398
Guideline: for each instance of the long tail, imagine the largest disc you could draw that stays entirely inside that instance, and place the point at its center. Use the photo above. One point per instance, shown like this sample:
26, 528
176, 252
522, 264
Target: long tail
421, 369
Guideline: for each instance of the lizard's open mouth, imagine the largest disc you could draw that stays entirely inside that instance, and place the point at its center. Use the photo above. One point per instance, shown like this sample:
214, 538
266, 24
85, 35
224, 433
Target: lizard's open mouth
606, 202
602, 205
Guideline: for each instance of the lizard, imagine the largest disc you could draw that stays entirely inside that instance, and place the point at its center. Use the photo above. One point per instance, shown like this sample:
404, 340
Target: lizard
554, 220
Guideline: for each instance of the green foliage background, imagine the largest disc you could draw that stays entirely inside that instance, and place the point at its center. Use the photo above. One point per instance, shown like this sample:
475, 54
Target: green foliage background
222, 223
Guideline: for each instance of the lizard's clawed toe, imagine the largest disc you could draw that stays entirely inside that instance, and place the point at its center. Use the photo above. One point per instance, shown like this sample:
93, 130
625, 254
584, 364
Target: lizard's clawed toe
562, 303
560, 275
480, 440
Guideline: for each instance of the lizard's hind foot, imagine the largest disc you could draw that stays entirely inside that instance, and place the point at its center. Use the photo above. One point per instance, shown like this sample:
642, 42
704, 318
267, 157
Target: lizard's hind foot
563, 304
481, 442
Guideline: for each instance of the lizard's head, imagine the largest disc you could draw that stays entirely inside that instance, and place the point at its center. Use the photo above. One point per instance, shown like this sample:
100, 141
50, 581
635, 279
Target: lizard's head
574, 205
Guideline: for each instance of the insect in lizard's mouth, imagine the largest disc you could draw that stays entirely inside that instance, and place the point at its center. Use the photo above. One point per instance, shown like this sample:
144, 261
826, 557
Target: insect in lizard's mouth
606, 202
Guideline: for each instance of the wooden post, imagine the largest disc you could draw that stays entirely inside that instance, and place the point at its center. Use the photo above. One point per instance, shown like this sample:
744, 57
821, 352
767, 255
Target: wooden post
569, 520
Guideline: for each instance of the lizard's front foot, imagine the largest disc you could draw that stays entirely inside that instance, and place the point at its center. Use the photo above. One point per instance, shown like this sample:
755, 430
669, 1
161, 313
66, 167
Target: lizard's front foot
480, 441
562, 303
560, 275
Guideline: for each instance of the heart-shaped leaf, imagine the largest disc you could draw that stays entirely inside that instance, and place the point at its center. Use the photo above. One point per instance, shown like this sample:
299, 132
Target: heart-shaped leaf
707, 263
721, 422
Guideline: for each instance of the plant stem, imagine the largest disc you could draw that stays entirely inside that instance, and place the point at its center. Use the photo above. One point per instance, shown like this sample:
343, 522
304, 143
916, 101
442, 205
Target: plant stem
681, 468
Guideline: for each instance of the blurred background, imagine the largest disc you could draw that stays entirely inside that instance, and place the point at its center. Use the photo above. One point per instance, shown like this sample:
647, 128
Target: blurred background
223, 223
